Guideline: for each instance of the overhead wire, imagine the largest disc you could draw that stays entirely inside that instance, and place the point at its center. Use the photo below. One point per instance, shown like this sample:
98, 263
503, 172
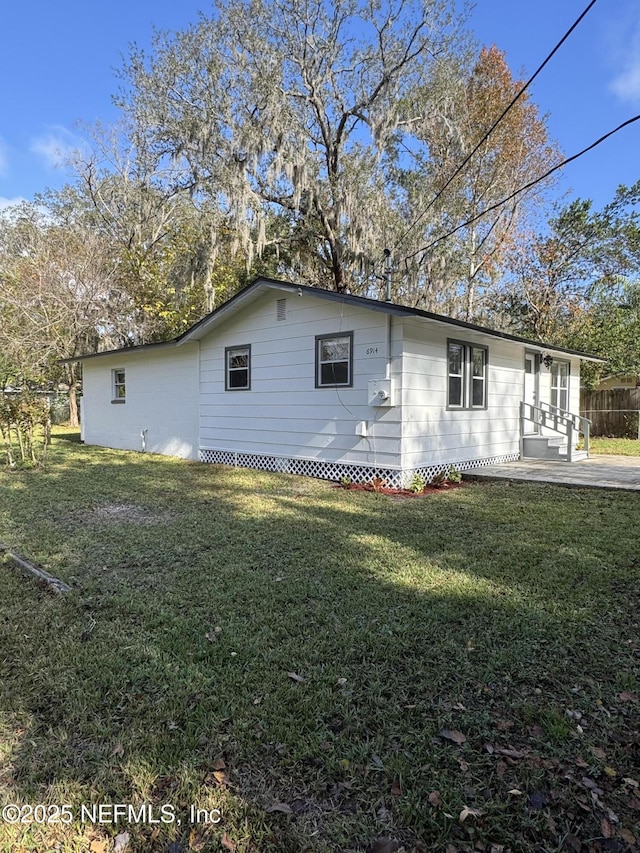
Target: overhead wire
495, 124
522, 189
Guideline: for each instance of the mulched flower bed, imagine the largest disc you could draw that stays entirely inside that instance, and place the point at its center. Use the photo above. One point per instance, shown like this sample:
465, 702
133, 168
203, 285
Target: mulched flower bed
398, 493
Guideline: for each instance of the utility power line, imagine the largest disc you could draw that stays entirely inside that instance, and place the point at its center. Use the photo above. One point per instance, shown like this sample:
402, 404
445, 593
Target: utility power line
522, 189
494, 125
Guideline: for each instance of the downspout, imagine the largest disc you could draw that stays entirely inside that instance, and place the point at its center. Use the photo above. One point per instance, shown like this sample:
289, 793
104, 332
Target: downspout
388, 279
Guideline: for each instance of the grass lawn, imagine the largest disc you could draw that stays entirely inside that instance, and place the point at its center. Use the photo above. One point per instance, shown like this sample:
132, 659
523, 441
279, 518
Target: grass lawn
615, 446
331, 670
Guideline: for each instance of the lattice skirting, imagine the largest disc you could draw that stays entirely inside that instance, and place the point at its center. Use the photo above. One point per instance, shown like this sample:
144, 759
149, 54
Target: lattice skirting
393, 477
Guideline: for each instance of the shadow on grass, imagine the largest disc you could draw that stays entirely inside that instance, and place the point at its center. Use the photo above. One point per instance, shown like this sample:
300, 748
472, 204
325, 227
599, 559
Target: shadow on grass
257, 640
66, 433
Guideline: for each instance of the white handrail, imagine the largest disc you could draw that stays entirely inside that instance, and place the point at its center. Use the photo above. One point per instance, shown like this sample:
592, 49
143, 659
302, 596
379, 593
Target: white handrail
557, 419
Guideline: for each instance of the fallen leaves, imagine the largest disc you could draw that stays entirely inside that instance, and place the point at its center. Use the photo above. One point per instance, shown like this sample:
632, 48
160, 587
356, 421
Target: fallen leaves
227, 843
121, 841
467, 813
435, 799
453, 735
219, 773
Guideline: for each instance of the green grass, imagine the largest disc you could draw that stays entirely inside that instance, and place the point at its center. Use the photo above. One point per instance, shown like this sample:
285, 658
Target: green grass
615, 446
505, 615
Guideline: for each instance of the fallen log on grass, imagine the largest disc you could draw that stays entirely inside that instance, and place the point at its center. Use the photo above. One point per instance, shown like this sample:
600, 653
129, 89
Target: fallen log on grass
54, 584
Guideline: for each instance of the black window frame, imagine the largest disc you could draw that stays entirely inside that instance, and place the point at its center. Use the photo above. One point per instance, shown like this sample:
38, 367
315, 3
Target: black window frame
227, 369
467, 377
320, 339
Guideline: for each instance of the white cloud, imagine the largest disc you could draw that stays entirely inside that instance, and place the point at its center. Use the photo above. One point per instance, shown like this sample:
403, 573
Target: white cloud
10, 202
627, 85
56, 146
625, 53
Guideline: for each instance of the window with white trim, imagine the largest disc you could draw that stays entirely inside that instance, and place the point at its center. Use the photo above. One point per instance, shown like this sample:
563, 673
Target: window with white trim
334, 360
560, 384
238, 368
118, 386
466, 375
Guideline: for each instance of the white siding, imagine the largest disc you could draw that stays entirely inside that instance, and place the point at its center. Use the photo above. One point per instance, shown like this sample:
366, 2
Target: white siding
434, 435
283, 413
161, 398
177, 394
431, 433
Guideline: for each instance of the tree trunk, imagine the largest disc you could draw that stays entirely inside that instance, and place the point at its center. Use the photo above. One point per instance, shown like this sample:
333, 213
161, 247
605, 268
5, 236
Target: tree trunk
209, 289
74, 419
337, 269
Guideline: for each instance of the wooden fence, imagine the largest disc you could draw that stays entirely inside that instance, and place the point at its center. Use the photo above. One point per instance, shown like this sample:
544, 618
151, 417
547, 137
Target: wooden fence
615, 412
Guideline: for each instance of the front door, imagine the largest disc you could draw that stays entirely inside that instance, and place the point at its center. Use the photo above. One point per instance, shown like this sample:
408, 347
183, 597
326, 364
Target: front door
531, 386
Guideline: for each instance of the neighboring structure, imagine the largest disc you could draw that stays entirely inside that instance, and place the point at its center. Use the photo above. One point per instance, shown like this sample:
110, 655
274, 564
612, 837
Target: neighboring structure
292, 378
619, 381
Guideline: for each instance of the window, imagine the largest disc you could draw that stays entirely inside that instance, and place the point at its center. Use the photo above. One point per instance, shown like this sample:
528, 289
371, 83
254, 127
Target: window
118, 387
560, 384
467, 376
238, 368
334, 357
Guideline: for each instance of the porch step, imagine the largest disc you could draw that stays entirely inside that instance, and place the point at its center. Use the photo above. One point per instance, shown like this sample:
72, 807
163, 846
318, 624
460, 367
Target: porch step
549, 447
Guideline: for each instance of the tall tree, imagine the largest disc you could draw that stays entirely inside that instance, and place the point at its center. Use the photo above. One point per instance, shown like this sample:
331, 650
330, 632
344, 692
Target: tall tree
291, 105
58, 296
577, 283
515, 153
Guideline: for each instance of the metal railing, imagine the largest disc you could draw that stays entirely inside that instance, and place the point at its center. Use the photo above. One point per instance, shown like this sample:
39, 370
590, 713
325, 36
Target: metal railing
558, 420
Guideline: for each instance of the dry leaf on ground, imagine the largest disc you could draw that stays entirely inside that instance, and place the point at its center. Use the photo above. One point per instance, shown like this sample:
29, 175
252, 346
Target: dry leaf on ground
454, 735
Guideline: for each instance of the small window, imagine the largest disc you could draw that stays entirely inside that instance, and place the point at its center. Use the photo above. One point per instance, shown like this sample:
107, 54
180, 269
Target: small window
238, 368
467, 376
456, 375
560, 385
334, 356
118, 386
478, 378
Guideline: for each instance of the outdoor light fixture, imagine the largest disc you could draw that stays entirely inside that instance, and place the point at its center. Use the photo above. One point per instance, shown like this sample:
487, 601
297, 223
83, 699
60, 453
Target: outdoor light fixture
547, 360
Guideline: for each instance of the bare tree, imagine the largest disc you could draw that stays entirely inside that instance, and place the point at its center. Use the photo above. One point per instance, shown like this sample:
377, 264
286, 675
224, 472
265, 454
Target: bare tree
58, 295
507, 158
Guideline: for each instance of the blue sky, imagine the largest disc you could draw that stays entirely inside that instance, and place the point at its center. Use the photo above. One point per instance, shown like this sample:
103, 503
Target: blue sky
57, 64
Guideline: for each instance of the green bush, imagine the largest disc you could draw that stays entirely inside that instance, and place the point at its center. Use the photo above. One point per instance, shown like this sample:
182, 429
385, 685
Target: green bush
25, 428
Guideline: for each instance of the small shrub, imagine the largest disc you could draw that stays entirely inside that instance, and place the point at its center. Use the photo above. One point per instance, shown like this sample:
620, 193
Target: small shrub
417, 484
378, 484
345, 482
25, 429
453, 475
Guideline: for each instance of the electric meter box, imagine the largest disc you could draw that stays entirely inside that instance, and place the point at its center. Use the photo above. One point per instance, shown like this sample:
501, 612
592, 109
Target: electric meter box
380, 392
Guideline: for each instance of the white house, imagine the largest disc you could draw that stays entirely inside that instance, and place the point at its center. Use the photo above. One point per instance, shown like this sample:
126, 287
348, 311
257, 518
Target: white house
292, 378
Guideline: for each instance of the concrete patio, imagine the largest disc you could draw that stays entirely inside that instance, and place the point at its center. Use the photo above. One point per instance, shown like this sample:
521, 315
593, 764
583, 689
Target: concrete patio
597, 472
